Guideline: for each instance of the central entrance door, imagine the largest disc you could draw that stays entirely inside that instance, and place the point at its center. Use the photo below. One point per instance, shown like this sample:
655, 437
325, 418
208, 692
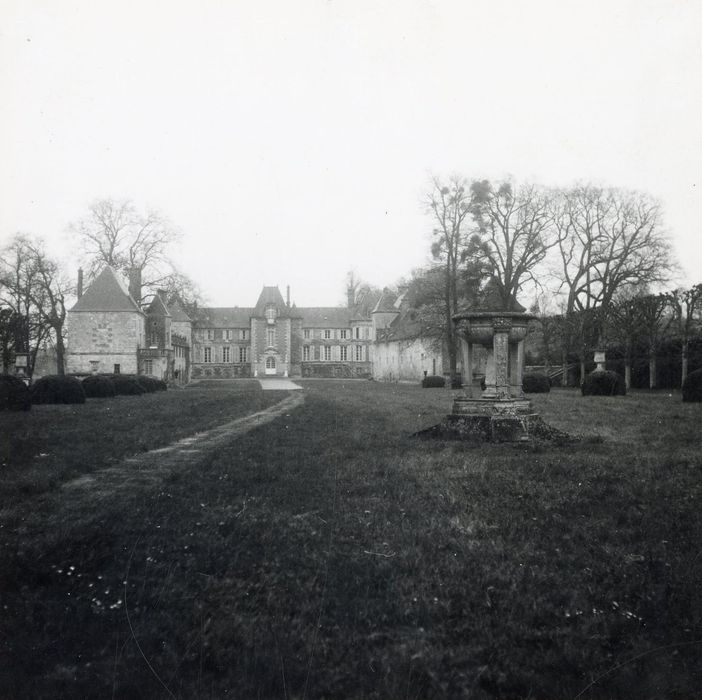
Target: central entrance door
270, 365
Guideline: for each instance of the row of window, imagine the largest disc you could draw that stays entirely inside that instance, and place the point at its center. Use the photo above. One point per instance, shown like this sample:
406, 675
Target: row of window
226, 355
333, 353
357, 333
326, 353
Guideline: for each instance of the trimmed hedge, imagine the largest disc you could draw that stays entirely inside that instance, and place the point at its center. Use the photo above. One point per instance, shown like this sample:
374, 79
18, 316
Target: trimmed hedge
98, 386
605, 383
433, 381
126, 385
536, 383
14, 394
692, 386
55, 388
150, 384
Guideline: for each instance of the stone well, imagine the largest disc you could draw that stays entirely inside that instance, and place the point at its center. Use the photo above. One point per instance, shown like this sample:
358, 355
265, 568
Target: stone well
500, 412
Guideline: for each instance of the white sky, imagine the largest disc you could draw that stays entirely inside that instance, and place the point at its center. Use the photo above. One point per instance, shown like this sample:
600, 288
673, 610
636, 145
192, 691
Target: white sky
292, 140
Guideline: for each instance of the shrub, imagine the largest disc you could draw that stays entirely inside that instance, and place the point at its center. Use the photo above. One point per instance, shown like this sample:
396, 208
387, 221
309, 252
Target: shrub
692, 386
14, 394
536, 383
58, 389
126, 385
151, 384
433, 381
98, 386
599, 383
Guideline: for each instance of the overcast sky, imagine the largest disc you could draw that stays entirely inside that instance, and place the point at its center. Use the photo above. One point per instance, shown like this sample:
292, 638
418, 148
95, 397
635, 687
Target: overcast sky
292, 140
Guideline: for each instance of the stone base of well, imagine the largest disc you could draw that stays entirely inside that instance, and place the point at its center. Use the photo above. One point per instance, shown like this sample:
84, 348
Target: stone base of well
494, 420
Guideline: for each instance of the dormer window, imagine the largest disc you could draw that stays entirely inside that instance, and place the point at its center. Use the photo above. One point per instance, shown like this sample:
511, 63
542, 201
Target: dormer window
271, 314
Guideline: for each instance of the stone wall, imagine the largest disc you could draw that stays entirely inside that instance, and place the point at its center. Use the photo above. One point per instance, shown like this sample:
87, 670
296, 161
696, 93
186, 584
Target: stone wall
98, 340
405, 360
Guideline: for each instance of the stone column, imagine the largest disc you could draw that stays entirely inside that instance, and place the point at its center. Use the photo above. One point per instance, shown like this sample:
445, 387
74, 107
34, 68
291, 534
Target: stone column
500, 346
467, 350
516, 350
490, 386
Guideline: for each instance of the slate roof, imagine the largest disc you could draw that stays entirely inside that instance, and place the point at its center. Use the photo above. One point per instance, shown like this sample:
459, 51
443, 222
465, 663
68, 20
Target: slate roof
223, 317
326, 316
106, 293
178, 312
157, 307
386, 303
268, 296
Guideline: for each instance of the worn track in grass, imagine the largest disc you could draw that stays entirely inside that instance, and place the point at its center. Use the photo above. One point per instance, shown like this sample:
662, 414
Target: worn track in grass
150, 467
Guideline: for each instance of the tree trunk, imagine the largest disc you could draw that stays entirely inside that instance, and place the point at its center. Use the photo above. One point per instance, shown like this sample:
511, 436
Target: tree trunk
652, 370
60, 353
564, 364
627, 368
685, 348
582, 371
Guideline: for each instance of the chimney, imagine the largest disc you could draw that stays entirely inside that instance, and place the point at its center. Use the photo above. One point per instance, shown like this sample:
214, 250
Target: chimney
79, 288
350, 297
288, 296
135, 284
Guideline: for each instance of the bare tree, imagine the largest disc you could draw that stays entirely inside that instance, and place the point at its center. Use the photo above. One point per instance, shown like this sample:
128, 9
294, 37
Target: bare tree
115, 233
687, 310
449, 203
516, 232
19, 291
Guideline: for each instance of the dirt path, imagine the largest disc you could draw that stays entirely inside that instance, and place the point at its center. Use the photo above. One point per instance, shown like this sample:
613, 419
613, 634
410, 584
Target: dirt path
148, 468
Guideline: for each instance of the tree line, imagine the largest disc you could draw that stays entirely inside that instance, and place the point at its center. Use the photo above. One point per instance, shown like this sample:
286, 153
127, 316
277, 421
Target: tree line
35, 288
592, 256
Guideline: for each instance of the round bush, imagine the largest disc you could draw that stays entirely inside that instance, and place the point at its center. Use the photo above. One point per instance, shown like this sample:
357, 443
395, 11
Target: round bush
536, 383
14, 394
433, 381
58, 389
148, 384
692, 386
98, 386
605, 383
126, 385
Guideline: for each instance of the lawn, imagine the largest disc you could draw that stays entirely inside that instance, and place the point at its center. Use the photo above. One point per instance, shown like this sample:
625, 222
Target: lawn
330, 554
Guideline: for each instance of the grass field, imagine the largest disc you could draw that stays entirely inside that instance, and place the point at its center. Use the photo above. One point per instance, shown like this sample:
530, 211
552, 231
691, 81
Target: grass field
330, 554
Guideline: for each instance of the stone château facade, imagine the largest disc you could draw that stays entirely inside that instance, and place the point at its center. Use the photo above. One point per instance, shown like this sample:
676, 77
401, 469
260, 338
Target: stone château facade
109, 332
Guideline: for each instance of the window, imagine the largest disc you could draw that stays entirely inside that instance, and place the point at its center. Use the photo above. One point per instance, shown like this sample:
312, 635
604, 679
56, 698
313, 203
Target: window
116, 370
327, 352
244, 334
327, 334
208, 354
148, 366
94, 366
343, 334
305, 352
270, 337
270, 314
243, 354
306, 333
357, 331
210, 334
344, 354
226, 354
228, 335
359, 353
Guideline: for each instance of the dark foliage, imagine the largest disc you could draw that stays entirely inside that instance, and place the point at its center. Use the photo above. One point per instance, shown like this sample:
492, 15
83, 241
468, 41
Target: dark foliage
99, 386
603, 384
58, 389
14, 394
536, 383
433, 381
148, 384
456, 381
692, 386
126, 385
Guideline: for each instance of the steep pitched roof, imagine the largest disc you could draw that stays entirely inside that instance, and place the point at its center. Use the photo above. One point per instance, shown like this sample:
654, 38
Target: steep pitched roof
223, 317
386, 303
106, 293
157, 307
271, 296
177, 311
